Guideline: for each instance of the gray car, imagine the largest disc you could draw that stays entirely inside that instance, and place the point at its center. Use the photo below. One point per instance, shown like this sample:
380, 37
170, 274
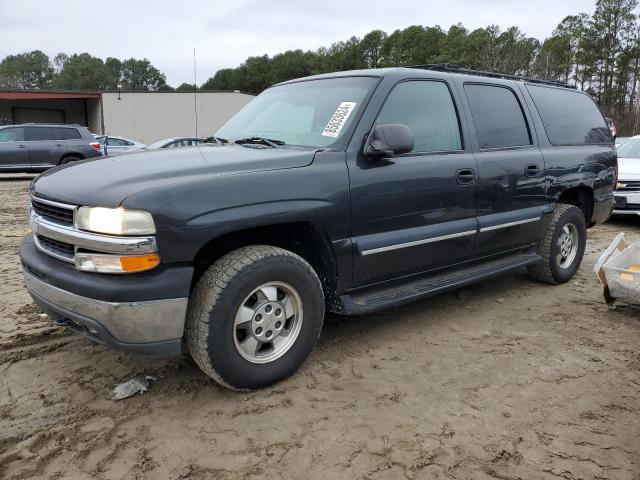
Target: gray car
35, 148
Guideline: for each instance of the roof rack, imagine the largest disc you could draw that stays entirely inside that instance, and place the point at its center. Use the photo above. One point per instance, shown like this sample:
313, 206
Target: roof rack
449, 67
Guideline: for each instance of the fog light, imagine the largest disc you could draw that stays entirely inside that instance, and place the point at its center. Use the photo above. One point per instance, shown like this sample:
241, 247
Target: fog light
98, 262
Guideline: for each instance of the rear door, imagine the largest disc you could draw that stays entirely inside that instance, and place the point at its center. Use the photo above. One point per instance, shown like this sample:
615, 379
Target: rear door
45, 146
416, 211
14, 153
511, 169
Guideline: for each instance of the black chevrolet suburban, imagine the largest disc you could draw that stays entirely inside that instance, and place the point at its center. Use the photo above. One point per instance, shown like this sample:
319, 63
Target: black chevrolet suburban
349, 192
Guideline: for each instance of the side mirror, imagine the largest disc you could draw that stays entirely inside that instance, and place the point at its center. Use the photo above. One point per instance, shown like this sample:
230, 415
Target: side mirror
389, 140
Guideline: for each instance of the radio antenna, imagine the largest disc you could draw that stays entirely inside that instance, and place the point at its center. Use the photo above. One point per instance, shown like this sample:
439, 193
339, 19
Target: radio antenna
195, 91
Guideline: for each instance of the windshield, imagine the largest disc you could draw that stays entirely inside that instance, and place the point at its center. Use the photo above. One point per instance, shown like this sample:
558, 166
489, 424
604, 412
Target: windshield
158, 144
630, 148
312, 113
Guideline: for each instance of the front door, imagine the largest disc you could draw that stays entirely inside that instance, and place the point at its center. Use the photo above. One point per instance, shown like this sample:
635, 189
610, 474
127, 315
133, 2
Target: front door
416, 211
511, 170
14, 153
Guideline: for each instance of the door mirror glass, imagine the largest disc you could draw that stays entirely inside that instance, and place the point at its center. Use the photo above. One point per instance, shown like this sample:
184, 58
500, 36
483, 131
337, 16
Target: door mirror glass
389, 140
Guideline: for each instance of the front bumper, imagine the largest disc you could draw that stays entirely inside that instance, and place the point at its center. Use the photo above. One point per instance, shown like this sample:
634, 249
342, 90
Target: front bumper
142, 313
627, 203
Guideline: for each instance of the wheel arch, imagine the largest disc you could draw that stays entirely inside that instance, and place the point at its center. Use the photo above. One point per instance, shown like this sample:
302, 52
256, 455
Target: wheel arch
71, 154
305, 239
581, 196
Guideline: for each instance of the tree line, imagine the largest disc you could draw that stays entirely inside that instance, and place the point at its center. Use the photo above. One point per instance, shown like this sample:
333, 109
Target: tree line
35, 70
598, 52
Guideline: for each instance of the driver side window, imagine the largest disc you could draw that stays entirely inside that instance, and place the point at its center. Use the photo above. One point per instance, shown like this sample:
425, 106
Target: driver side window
426, 107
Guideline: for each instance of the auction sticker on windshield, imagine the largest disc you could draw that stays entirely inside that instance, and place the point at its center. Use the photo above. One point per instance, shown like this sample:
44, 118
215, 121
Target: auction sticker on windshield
338, 119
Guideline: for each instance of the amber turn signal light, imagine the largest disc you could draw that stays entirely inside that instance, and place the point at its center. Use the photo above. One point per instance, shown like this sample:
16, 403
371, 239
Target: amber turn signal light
103, 263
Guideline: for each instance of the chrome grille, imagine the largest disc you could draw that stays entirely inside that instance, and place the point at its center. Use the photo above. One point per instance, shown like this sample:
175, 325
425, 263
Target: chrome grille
633, 186
55, 247
53, 211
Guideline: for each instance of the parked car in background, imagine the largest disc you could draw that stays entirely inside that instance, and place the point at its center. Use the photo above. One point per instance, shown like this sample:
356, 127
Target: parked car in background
621, 140
36, 147
627, 195
118, 145
175, 143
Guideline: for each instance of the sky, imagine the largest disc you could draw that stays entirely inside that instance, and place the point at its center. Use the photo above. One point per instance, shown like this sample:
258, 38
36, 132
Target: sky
226, 33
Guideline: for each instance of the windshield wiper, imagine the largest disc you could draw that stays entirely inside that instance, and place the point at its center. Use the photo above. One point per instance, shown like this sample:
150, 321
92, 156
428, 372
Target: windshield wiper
260, 140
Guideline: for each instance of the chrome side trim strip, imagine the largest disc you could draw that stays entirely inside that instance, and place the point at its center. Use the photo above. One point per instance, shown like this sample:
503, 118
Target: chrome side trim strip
92, 241
510, 224
130, 322
417, 242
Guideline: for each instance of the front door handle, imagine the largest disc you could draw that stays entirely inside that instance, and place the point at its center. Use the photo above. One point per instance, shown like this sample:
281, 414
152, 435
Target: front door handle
465, 176
532, 170
22, 146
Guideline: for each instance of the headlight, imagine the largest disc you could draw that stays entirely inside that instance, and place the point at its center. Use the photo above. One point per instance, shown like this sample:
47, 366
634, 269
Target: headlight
115, 221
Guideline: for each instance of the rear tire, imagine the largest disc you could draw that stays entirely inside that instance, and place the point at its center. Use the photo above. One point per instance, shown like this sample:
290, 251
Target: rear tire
562, 246
66, 160
254, 316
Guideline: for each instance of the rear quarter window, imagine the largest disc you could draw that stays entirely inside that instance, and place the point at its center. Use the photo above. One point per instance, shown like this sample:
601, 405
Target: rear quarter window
69, 134
569, 117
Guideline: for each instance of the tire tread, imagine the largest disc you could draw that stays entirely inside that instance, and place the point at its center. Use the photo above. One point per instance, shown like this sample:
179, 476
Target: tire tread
212, 285
542, 271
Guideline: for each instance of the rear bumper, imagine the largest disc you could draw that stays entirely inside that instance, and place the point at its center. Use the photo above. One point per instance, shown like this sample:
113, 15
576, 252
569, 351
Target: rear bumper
101, 310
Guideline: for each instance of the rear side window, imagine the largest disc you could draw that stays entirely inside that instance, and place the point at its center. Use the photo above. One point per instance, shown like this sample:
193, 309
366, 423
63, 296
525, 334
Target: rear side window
498, 117
42, 133
569, 117
12, 134
427, 108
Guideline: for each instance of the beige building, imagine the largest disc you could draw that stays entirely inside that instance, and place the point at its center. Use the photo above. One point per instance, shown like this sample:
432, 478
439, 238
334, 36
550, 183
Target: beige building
144, 117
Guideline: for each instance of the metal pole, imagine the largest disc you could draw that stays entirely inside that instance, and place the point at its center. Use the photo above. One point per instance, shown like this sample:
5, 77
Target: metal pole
195, 92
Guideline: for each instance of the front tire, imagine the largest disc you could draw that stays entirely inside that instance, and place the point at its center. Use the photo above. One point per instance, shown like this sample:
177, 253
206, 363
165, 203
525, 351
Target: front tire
254, 316
562, 246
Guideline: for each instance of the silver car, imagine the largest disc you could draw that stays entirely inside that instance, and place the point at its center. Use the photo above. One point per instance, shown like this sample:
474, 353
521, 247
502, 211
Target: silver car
118, 145
175, 142
627, 195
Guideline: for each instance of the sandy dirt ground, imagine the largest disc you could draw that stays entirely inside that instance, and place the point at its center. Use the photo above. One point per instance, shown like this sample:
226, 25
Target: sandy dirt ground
508, 379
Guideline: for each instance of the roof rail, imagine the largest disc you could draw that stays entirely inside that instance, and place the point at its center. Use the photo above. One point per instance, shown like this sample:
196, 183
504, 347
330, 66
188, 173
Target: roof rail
449, 67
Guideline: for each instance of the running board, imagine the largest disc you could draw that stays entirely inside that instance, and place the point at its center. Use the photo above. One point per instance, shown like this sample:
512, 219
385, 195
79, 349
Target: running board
365, 301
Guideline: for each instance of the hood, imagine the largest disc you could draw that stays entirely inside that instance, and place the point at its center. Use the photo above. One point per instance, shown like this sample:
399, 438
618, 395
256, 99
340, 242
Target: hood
109, 180
628, 168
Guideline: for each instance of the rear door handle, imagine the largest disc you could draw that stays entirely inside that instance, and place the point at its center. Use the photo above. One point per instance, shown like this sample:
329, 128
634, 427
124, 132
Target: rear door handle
22, 146
532, 170
465, 176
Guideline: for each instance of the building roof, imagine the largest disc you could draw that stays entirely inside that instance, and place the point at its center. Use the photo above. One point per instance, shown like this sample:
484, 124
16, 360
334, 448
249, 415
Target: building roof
21, 94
